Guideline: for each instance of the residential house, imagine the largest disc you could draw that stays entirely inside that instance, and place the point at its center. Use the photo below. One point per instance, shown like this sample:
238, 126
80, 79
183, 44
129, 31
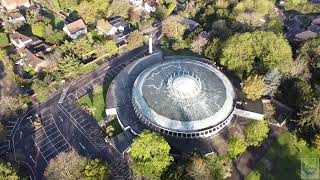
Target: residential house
138, 3
35, 61
75, 29
150, 5
10, 5
16, 17
19, 40
119, 31
33, 55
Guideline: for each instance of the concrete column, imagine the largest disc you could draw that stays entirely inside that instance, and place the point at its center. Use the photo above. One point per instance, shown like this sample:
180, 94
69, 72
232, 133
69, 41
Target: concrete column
150, 45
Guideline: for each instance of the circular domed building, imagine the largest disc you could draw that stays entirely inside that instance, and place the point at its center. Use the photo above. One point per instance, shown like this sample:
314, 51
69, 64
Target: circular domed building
177, 96
184, 98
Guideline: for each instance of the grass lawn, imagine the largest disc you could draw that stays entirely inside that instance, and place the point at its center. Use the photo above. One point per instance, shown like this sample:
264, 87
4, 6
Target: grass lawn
285, 158
95, 99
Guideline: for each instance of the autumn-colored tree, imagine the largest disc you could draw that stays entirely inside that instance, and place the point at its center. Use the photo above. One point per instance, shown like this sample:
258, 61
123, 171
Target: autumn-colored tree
172, 28
67, 165
135, 39
198, 168
253, 87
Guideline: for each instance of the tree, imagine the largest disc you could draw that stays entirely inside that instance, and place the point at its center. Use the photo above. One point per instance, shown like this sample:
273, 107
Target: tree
59, 5
220, 167
4, 40
39, 29
68, 65
253, 87
135, 39
197, 168
296, 93
56, 37
236, 146
200, 42
256, 132
66, 165
250, 12
10, 105
316, 142
212, 50
260, 51
272, 81
310, 53
150, 155
119, 8
91, 10
109, 47
7, 171
310, 116
172, 28
95, 170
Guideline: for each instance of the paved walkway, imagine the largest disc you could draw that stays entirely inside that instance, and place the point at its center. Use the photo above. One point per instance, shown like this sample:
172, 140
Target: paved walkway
243, 166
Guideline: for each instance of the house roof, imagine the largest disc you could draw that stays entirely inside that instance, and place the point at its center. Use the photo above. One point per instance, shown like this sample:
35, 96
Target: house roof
119, 22
151, 3
30, 59
17, 36
15, 15
316, 21
76, 26
15, 2
190, 23
38, 46
306, 35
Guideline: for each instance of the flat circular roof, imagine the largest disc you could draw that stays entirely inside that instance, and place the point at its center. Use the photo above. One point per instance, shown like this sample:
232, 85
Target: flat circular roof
183, 95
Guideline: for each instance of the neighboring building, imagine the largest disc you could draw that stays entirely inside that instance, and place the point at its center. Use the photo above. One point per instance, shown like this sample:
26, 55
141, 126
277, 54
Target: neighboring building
31, 50
30, 59
306, 35
191, 24
137, 3
119, 31
75, 29
150, 6
20, 40
14, 4
104, 27
16, 17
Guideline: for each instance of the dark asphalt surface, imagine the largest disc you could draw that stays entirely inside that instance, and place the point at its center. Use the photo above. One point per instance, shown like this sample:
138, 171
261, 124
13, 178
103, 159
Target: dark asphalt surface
66, 127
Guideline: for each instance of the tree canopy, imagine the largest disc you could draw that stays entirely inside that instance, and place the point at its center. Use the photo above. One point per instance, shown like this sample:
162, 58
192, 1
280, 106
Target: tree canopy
310, 116
256, 132
150, 155
67, 165
254, 87
135, 39
236, 146
7, 171
172, 28
259, 51
250, 12
119, 8
91, 10
198, 168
